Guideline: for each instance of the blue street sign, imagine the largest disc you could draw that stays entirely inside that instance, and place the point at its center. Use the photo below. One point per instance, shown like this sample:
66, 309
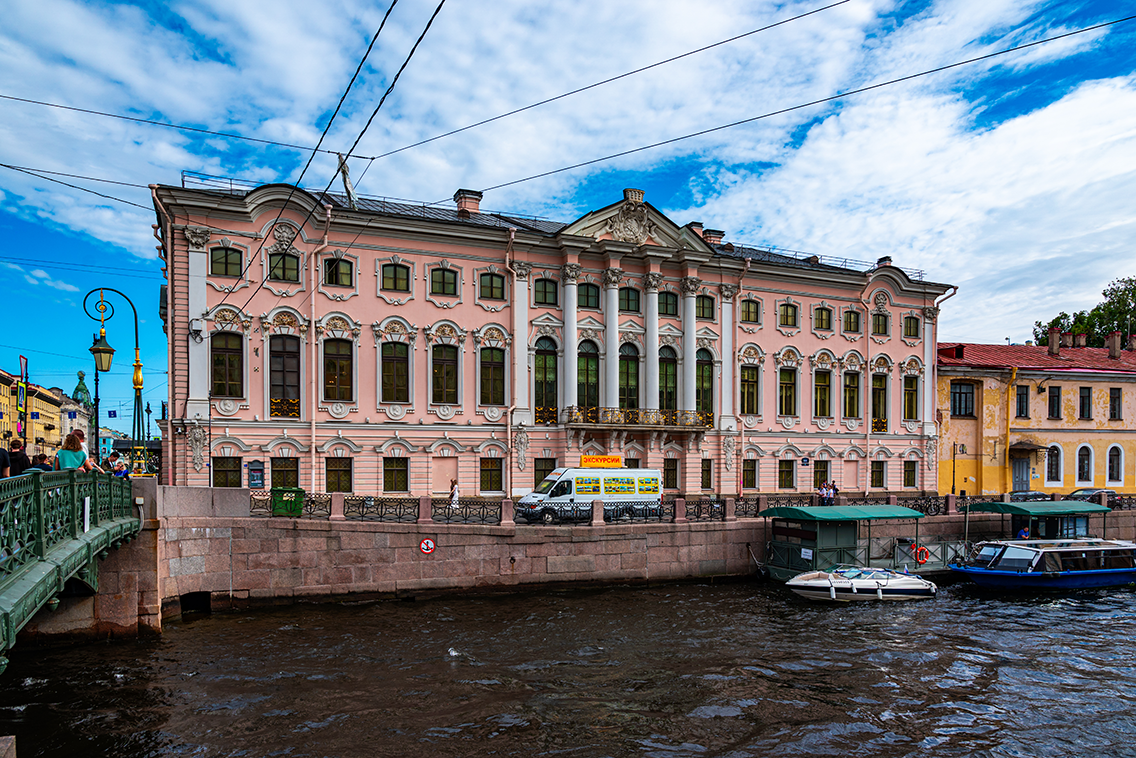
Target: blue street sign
112, 414
35, 415
72, 414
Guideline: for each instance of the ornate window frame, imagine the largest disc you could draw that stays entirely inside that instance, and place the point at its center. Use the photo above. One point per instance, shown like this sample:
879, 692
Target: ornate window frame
853, 336
445, 332
594, 281
395, 297
910, 341
552, 275
496, 336
824, 360
335, 292
1092, 465
338, 325
1060, 480
832, 314
788, 357
908, 368
231, 319
881, 300
399, 330
489, 304
670, 289
285, 233
853, 363
246, 269
283, 320
751, 354
1108, 479
443, 301
788, 331
715, 310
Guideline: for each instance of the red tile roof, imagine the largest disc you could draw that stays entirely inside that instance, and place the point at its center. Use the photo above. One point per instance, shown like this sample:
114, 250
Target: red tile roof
1034, 357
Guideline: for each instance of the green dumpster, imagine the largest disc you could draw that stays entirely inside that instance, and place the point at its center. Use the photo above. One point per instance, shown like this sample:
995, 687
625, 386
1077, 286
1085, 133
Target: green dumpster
287, 501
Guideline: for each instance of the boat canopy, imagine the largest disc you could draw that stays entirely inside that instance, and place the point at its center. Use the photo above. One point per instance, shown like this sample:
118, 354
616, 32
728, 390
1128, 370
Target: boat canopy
841, 512
1039, 509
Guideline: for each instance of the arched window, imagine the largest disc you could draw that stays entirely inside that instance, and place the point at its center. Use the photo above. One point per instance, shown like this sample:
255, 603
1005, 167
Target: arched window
544, 291
588, 296
628, 376
396, 373
337, 370
224, 261
1053, 465
283, 267
588, 375
668, 304
337, 272
704, 307
228, 364
492, 376
1115, 465
668, 379
445, 380
396, 277
284, 376
1085, 465
704, 384
751, 312
544, 390
629, 299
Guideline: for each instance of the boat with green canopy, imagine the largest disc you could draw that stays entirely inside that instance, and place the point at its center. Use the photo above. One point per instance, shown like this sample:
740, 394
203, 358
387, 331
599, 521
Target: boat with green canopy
1042, 520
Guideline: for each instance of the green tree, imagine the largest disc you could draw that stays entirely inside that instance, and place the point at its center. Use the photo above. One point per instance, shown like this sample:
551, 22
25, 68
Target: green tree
1116, 312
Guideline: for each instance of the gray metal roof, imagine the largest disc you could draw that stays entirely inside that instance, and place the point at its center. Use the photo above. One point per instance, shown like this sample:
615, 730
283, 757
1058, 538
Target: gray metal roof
448, 214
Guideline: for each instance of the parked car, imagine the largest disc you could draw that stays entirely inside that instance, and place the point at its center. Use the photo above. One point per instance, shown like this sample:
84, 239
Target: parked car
1029, 496
1091, 493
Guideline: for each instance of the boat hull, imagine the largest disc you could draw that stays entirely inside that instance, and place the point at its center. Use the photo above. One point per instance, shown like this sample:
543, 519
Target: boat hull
1053, 580
847, 596
841, 587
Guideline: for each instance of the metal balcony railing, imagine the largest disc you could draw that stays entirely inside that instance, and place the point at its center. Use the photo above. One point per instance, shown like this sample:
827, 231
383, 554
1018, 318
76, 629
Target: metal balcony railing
879, 425
638, 417
281, 408
545, 415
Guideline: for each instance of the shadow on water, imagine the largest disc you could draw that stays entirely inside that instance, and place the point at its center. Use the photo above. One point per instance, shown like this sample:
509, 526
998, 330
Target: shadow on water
684, 670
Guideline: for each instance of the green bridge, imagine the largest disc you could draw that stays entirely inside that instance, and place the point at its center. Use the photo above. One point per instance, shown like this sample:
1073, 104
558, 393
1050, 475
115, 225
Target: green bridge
54, 527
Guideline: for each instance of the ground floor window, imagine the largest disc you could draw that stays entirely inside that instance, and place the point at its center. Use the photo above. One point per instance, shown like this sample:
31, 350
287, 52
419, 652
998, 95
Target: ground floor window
909, 473
285, 472
491, 479
670, 474
338, 472
707, 474
632, 462
786, 475
226, 471
396, 474
820, 473
877, 474
749, 474
542, 467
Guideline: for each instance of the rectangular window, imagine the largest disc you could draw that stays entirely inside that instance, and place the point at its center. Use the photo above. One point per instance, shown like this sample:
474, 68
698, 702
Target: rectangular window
283, 267
962, 399
750, 312
492, 287
879, 398
491, 475
337, 272
668, 304
787, 392
820, 473
396, 474
542, 467
670, 474
1021, 406
851, 395
338, 376
823, 319
588, 296
749, 405
878, 474
787, 314
786, 475
338, 473
225, 261
1085, 406
704, 307
284, 376
545, 292
910, 398
1114, 397
492, 376
396, 372
629, 299
749, 474
443, 282
852, 322
707, 474
396, 277
445, 369
1055, 402
909, 473
911, 327
879, 323
632, 463
226, 472
285, 472
228, 364
822, 390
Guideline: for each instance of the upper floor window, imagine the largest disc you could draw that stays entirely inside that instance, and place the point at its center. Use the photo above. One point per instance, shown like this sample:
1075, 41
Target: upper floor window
879, 324
911, 327
1054, 402
822, 392
396, 277
1114, 403
228, 364
823, 318
750, 311
910, 398
443, 281
851, 395
588, 296
224, 261
749, 388
787, 392
787, 314
444, 388
852, 322
337, 370
492, 376
492, 287
962, 399
396, 373
704, 307
283, 267
1086, 403
544, 291
1021, 409
284, 376
337, 272
668, 304
629, 299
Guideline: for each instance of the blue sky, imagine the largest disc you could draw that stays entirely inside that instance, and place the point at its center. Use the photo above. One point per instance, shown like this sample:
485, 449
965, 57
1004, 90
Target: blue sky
1012, 177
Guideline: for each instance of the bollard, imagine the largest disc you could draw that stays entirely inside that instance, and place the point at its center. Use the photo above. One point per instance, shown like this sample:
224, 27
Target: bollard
680, 510
337, 499
425, 510
507, 513
597, 513
893, 499
731, 509
952, 505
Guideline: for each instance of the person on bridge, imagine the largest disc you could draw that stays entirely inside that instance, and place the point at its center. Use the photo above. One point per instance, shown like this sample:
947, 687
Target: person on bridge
19, 458
5, 464
71, 456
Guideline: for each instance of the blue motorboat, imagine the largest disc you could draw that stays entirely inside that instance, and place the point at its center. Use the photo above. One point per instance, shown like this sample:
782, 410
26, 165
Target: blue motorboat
1062, 564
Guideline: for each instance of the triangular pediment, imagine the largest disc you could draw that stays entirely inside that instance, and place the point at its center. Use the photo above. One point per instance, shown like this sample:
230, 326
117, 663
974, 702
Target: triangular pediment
631, 326
669, 330
706, 333
588, 322
636, 222
547, 319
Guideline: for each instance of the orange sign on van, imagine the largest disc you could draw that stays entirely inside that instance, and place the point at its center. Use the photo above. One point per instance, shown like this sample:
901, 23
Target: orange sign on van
600, 461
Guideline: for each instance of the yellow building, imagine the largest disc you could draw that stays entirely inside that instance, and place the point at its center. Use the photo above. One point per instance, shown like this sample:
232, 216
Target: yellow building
7, 407
44, 421
1026, 417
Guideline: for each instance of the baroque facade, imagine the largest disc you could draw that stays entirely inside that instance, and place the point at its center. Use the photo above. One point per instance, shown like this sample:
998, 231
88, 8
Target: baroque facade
386, 348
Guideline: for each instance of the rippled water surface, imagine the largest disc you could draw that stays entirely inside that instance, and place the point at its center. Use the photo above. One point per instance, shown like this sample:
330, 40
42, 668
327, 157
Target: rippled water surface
684, 670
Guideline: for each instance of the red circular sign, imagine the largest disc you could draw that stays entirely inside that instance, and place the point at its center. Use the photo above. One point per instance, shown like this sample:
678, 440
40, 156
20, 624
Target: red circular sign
426, 546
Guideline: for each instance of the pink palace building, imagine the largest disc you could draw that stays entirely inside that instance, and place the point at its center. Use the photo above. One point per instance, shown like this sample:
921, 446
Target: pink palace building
364, 346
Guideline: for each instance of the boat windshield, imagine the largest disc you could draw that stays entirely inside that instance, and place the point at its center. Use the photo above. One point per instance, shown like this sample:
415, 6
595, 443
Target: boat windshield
1016, 559
546, 485
985, 554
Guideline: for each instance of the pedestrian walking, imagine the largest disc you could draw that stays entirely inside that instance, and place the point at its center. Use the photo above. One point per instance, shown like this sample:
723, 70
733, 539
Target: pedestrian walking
18, 458
71, 456
5, 463
453, 493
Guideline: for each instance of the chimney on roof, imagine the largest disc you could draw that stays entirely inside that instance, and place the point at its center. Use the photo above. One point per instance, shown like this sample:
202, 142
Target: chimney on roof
883, 261
633, 195
1112, 342
468, 201
1066, 339
1080, 340
1054, 341
713, 236
696, 227
1132, 341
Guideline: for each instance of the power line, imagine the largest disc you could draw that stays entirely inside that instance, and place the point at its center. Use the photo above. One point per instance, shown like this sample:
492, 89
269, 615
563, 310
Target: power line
831, 98
73, 186
76, 176
85, 269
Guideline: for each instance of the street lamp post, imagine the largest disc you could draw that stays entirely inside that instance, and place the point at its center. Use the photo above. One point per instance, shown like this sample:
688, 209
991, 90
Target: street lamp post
103, 353
147, 424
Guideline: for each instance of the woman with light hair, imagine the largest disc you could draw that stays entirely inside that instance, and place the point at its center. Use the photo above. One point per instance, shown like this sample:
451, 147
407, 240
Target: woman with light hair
71, 456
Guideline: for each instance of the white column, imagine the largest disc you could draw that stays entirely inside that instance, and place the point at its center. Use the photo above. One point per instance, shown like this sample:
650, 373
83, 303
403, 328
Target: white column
520, 390
729, 390
611, 279
651, 322
197, 404
690, 285
569, 272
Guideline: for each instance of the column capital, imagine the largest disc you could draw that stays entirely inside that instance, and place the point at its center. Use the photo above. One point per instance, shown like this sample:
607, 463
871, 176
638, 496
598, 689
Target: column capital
652, 281
522, 269
729, 291
570, 272
691, 285
612, 277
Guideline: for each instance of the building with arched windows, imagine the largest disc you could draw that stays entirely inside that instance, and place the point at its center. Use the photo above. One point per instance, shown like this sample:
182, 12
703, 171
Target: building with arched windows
1051, 418
386, 348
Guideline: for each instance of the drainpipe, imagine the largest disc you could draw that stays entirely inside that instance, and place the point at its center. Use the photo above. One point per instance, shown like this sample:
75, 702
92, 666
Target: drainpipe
737, 375
313, 374
934, 370
169, 465
1009, 408
868, 387
508, 483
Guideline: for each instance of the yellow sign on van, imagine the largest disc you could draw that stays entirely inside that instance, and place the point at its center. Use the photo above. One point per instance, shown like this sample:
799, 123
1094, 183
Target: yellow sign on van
587, 485
648, 485
619, 485
600, 461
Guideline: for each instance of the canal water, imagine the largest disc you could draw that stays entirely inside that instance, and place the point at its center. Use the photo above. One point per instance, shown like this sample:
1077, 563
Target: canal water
670, 671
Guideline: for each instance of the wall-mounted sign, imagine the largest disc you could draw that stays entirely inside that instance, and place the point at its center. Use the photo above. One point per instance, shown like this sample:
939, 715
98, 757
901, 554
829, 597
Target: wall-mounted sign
426, 546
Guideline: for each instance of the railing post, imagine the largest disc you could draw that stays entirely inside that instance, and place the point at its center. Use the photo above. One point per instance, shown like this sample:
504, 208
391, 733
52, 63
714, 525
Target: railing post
893, 499
95, 498
507, 512
680, 510
762, 502
597, 513
952, 505
425, 510
814, 500
37, 516
337, 503
842, 500
1006, 497
76, 510
731, 509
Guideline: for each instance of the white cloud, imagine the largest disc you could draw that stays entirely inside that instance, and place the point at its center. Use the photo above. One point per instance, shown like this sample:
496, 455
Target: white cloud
39, 276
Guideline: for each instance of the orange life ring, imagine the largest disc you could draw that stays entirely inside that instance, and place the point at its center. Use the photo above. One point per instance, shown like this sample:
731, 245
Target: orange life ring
922, 554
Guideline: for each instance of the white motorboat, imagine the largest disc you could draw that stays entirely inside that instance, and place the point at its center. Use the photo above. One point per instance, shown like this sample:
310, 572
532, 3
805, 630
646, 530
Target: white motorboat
847, 583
